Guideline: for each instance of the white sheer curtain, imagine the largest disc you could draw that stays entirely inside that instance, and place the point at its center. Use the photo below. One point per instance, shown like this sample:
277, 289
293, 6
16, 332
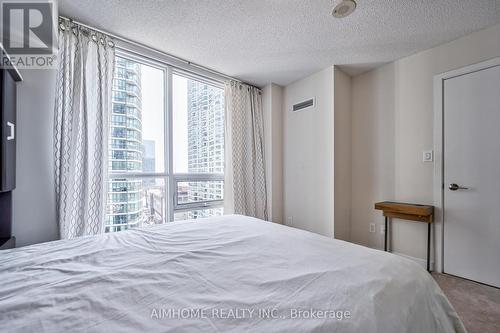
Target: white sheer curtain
82, 108
245, 190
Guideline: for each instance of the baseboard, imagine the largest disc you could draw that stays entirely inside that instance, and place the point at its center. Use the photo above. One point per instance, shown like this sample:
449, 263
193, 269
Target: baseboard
421, 262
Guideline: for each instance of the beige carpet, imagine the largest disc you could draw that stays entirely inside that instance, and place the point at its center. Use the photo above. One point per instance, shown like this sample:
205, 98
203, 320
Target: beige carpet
477, 305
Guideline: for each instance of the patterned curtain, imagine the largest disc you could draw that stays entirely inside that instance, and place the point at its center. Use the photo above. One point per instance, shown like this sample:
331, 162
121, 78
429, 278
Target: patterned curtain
245, 190
82, 108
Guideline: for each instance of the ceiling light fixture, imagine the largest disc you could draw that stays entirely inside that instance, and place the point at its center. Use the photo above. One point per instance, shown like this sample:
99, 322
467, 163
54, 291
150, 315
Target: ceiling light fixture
343, 8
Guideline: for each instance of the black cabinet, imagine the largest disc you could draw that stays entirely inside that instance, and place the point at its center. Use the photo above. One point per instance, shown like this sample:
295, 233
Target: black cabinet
9, 76
5, 215
7, 243
7, 130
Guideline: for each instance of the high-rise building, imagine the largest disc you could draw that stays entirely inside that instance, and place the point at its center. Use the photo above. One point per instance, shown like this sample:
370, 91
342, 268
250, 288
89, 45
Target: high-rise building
148, 158
148, 161
205, 143
125, 195
154, 193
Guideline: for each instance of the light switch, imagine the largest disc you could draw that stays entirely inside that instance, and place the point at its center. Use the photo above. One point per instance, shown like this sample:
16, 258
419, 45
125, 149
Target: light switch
428, 156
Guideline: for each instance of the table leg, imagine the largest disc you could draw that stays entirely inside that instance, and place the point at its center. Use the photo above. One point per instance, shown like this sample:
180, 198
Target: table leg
428, 247
385, 234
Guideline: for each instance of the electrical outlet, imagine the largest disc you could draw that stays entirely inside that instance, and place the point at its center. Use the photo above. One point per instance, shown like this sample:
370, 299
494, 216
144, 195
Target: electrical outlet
289, 220
382, 229
372, 227
428, 156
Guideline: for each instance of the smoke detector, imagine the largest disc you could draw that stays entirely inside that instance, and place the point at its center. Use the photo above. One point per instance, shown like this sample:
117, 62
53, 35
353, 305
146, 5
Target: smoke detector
343, 8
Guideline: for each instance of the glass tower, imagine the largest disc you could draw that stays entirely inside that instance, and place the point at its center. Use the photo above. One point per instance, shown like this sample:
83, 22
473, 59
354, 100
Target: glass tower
205, 143
125, 195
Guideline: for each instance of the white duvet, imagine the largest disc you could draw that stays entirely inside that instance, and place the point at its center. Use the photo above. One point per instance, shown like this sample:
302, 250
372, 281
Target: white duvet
224, 274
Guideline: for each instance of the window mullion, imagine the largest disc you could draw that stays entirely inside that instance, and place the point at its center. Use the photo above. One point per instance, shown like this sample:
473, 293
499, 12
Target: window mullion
169, 156
137, 175
198, 177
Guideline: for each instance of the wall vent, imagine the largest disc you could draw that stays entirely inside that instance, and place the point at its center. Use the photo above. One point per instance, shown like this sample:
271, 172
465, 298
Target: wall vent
304, 105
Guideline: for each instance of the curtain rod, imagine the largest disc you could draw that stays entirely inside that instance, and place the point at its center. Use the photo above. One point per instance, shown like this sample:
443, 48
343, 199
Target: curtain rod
186, 62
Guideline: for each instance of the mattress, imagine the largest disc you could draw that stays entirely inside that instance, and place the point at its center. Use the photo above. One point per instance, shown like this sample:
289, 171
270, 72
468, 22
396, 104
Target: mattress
220, 274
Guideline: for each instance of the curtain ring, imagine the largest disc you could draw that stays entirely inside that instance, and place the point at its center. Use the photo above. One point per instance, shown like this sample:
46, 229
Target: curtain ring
102, 41
62, 26
94, 38
111, 44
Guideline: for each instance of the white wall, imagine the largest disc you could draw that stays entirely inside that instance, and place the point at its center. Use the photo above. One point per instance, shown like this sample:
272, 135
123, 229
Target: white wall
34, 218
308, 154
372, 151
392, 124
272, 101
342, 157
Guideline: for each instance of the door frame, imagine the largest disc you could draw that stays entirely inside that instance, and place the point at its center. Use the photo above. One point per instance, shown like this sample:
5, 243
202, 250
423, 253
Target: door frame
438, 183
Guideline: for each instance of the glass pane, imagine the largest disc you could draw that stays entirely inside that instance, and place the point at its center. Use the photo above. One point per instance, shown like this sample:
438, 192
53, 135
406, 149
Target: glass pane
188, 192
135, 202
198, 214
137, 118
198, 126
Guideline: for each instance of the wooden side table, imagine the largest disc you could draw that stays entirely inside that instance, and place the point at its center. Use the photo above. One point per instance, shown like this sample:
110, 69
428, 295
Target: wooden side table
410, 212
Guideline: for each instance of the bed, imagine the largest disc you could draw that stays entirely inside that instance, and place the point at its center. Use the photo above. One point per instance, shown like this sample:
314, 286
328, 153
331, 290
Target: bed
220, 274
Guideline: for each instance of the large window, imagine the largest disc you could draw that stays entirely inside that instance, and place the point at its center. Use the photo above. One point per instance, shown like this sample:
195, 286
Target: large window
166, 145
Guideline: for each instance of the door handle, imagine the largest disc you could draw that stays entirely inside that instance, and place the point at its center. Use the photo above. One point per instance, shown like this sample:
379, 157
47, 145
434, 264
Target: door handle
12, 128
454, 187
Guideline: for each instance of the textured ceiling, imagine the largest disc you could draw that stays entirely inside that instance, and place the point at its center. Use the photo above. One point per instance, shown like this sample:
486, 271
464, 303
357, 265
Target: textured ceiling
280, 41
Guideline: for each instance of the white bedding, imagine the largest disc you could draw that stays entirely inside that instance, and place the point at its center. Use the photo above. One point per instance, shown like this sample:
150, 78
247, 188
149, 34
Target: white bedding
219, 274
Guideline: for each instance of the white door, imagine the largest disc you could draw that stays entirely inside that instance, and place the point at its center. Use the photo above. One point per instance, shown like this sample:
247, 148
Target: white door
472, 160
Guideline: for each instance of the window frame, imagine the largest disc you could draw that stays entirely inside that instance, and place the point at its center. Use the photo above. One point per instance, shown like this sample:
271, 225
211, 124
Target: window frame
196, 177
171, 179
